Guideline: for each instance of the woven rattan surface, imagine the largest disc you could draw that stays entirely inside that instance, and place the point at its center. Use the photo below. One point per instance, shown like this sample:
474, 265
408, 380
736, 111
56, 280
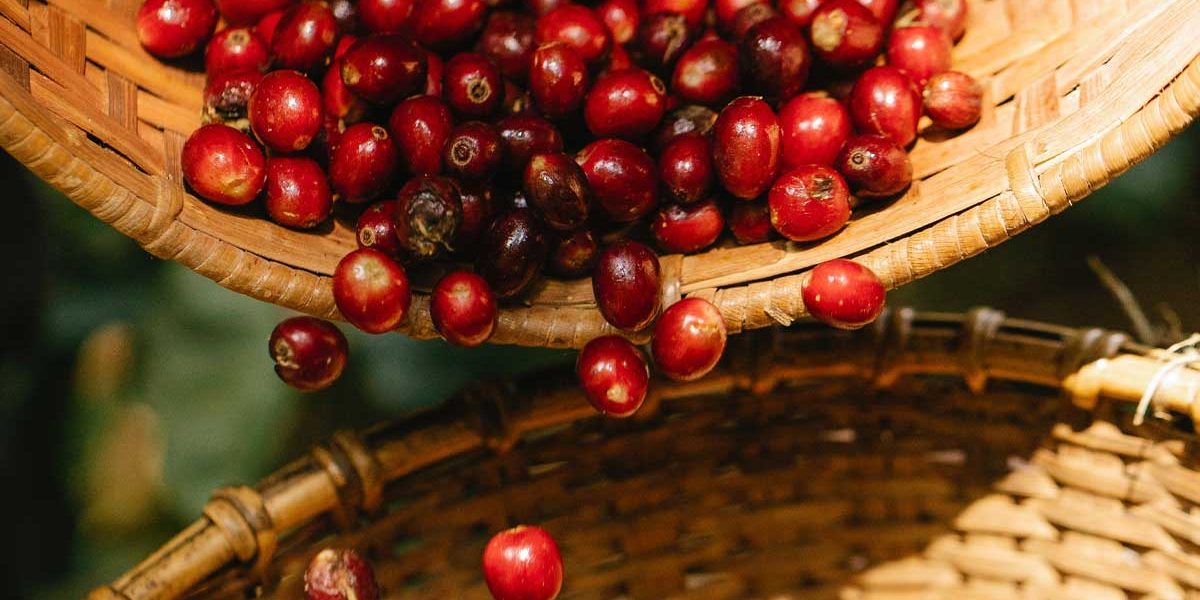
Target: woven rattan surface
1077, 91
930, 457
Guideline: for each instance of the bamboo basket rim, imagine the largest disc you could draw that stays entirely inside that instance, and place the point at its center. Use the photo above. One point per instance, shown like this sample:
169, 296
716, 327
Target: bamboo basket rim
1076, 93
346, 477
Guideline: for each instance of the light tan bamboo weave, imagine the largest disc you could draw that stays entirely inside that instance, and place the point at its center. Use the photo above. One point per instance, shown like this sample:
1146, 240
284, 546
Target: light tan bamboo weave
932, 456
1077, 91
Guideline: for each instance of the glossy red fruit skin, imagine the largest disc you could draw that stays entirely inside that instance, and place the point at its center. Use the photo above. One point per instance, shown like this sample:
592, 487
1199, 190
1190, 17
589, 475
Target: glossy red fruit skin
523, 563
746, 147
884, 101
428, 214
687, 228
337, 99
297, 192
693, 10
726, 11
689, 339
512, 252
442, 24
707, 73
874, 166
175, 28
473, 151
627, 284
950, 15
472, 86
235, 49
953, 100
371, 290
540, 8
384, 68
558, 190
799, 12
223, 165
809, 203
844, 294
376, 228
845, 33
249, 12
304, 36
463, 309
507, 39
226, 95
524, 136
577, 26
690, 118
266, 26
340, 574
478, 208
686, 169
573, 254
345, 12
309, 353
815, 127
662, 38
420, 126
919, 51
558, 80
750, 222
750, 16
434, 69
363, 163
384, 16
774, 58
614, 376
622, 176
621, 17
884, 10
626, 104
285, 111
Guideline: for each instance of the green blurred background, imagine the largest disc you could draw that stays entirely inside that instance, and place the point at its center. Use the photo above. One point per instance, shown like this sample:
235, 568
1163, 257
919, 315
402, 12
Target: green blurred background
130, 387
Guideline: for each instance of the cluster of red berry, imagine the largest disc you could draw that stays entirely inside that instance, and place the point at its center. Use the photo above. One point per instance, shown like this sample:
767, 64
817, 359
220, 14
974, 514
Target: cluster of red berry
450, 121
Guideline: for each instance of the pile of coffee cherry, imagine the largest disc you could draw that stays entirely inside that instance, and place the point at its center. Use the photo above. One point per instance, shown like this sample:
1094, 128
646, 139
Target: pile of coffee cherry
524, 137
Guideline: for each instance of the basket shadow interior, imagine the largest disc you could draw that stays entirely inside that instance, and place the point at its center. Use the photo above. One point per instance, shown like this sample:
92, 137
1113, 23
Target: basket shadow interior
933, 456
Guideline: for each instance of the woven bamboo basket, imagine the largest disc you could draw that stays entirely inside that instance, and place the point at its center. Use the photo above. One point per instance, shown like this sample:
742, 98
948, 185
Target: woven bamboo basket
932, 456
1077, 91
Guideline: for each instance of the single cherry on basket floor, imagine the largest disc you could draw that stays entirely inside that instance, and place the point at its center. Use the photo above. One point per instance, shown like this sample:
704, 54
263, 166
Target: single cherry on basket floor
614, 375
340, 574
689, 339
523, 563
371, 290
309, 353
844, 294
953, 100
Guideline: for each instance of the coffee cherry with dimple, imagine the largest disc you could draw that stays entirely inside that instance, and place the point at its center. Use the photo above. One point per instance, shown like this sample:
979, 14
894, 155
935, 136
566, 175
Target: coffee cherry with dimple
815, 127
689, 339
371, 290
526, 135
577, 26
885, 101
949, 15
363, 163
874, 166
175, 28
223, 165
845, 33
626, 104
384, 68
707, 73
686, 169
443, 24
558, 190
309, 353
384, 16
226, 95
285, 111
746, 147
622, 176
844, 294
750, 222
297, 192
621, 17
472, 86
428, 213
774, 59
463, 309
573, 254
507, 39
627, 285
523, 563
919, 51
662, 38
558, 80
687, 228
473, 151
376, 228
953, 100
512, 252
809, 203
420, 126
304, 37
613, 375
235, 49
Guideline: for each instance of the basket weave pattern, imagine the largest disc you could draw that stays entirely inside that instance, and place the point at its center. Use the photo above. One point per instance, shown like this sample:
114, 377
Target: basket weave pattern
930, 457
1077, 91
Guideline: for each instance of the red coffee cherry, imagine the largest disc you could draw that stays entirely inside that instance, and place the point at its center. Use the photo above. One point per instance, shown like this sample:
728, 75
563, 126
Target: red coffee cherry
478, 208
473, 151
304, 37
558, 190
463, 309
285, 111
950, 15
420, 126
686, 169
681, 121
845, 33
384, 16
339, 102
621, 19
472, 85
622, 177
953, 100
689, 339
512, 252
235, 49
874, 166
297, 192
443, 24
726, 11
815, 128
662, 39
687, 228
507, 39
226, 95
693, 10
363, 163
707, 73
309, 353
749, 17
526, 135
844, 294
626, 104
746, 147
884, 10
175, 28
223, 165
578, 27
340, 574
919, 51
523, 563
384, 68
774, 59
573, 254
613, 375
750, 222
558, 80
266, 26
428, 213
627, 285
884, 101
371, 290
376, 228
808, 203
799, 12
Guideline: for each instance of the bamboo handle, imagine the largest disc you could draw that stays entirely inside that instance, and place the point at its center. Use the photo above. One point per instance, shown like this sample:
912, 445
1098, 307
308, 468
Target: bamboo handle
1127, 377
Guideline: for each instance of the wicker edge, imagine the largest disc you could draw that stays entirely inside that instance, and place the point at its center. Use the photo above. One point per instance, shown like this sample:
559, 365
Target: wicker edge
243, 525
